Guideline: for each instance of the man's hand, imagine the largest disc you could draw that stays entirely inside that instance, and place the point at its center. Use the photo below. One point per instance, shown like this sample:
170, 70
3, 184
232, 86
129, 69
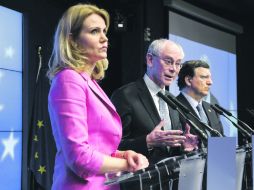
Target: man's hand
191, 142
158, 137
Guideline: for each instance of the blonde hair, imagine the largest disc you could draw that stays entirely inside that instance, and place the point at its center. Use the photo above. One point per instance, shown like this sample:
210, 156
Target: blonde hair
66, 53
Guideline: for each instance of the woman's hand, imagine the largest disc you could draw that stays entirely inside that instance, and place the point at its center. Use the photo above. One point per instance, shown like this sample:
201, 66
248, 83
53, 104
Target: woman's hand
135, 160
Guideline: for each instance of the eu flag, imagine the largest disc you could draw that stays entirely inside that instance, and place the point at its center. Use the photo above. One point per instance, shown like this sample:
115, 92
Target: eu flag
42, 146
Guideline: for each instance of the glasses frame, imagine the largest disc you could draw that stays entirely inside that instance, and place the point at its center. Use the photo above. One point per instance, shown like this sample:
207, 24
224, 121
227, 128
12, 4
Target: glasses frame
169, 61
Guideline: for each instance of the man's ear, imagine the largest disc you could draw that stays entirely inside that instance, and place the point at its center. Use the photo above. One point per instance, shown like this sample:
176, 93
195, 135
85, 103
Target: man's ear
149, 60
187, 80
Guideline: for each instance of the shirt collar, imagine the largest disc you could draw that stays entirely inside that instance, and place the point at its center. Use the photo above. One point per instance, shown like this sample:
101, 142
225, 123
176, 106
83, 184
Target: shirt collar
194, 103
152, 87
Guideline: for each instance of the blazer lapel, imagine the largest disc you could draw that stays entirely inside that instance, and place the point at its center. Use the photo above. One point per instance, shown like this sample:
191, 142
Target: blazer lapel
173, 114
187, 104
98, 91
208, 112
147, 100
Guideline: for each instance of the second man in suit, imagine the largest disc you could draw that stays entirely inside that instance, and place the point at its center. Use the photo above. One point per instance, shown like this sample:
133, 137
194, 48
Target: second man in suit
194, 81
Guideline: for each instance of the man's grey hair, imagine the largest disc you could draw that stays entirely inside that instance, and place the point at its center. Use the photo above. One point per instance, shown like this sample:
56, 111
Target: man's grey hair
157, 45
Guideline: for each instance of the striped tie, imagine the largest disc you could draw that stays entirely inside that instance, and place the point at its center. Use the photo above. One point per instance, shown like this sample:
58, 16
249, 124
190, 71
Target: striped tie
203, 116
201, 113
164, 113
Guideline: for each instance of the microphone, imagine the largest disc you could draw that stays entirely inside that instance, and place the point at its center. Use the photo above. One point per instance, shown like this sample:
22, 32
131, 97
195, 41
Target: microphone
243, 131
187, 111
243, 124
167, 100
217, 110
224, 110
202, 135
178, 103
250, 111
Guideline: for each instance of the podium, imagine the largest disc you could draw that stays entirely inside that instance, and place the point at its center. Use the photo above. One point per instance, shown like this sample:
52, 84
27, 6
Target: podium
163, 174
221, 163
240, 164
190, 178
225, 164
152, 177
225, 170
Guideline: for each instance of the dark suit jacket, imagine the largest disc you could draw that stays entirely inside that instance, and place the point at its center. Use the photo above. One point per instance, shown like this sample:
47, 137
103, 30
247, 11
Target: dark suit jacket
139, 117
213, 118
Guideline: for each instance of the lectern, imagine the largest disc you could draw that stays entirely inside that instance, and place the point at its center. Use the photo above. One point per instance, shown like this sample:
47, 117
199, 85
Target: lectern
162, 175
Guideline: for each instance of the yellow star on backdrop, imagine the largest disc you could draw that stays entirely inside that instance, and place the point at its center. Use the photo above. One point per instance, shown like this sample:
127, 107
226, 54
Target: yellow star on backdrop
35, 138
42, 169
40, 123
36, 155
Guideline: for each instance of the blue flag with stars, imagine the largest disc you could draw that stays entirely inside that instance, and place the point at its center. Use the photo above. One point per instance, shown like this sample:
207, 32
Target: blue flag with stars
42, 146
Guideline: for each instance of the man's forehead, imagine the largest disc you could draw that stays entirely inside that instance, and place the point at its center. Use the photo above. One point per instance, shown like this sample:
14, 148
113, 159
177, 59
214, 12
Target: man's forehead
202, 70
172, 50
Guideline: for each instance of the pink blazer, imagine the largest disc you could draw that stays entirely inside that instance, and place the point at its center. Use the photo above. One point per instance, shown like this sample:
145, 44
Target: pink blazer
85, 126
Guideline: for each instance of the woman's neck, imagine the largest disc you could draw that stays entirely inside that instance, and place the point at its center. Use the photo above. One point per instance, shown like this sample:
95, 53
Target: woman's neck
88, 69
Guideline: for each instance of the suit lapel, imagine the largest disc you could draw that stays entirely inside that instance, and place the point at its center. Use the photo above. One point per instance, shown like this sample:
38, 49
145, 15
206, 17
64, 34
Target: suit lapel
147, 100
187, 104
98, 91
208, 112
173, 115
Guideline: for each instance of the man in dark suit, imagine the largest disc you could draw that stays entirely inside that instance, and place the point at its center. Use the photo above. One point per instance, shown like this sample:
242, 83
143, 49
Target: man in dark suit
194, 81
138, 105
147, 128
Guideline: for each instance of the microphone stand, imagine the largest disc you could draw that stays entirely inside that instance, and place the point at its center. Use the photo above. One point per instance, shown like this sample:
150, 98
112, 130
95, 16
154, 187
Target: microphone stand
247, 147
243, 124
202, 135
250, 111
242, 130
187, 111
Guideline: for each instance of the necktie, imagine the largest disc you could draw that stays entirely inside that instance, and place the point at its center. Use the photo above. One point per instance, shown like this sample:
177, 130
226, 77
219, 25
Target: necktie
164, 113
201, 113
202, 116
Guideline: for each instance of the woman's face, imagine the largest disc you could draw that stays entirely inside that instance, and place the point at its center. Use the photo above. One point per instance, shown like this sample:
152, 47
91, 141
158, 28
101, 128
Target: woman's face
92, 38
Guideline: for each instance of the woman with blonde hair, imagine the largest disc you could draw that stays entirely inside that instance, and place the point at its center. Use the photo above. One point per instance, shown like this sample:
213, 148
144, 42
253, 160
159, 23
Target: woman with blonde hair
85, 124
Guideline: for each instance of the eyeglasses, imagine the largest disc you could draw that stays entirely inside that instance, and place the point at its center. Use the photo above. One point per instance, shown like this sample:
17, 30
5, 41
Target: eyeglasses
170, 61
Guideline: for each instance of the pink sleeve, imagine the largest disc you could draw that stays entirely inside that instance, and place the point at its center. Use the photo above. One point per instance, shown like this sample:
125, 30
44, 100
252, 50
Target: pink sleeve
67, 107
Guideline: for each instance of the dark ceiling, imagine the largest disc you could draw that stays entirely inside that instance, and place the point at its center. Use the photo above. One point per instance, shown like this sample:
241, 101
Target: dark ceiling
240, 11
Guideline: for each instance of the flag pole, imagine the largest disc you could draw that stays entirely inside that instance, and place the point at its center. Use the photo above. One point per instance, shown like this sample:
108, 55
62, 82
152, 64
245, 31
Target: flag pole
40, 61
